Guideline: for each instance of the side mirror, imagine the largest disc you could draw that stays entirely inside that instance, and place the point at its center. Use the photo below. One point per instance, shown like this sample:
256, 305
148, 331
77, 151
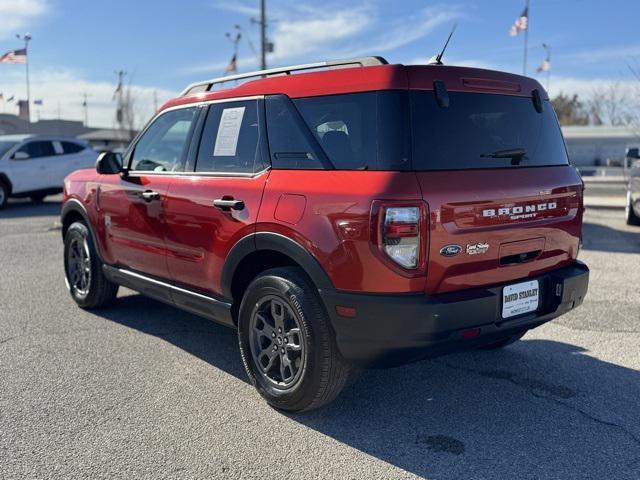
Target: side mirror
633, 153
109, 163
20, 155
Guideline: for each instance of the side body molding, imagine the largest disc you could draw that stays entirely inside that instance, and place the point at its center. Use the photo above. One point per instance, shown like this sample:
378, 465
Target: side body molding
269, 241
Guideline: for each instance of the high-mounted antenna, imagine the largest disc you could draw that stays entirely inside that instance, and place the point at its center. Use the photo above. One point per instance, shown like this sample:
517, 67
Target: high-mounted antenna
437, 59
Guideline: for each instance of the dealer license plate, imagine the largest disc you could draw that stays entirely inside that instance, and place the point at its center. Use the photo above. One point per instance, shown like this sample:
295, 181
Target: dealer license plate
520, 298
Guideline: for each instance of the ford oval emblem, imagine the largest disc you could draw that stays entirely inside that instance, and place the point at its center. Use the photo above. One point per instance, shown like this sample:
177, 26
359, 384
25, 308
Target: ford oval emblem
450, 250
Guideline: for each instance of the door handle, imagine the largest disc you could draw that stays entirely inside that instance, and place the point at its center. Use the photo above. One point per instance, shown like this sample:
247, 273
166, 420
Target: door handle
150, 195
227, 204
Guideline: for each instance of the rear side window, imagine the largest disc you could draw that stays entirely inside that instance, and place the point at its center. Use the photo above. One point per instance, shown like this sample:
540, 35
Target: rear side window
70, 147
38, 149
231, 139
361, 131
476, 127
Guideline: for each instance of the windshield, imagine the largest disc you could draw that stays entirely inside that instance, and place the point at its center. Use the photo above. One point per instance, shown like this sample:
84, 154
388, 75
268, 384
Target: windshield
5, 147
479, 130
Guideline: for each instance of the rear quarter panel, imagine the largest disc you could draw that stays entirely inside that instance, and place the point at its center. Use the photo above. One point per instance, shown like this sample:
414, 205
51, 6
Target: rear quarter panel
328, 213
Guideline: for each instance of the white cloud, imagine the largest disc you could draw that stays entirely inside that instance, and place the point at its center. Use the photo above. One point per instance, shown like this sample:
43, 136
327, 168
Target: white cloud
16, 15
238, 7
584, 88
411, 29
319, 30
600, 55
65, 88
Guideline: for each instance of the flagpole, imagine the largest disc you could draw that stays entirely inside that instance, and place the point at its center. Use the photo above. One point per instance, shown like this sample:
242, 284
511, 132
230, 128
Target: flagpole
526, 40
27, 37
549, 69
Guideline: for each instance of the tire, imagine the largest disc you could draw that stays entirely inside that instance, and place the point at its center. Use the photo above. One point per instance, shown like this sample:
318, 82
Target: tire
310, 376
37, 197
503, 342
4, 195
87, 284
631, 217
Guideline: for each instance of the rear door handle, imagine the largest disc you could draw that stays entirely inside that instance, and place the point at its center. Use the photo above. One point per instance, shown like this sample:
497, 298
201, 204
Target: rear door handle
227, 204
150, 195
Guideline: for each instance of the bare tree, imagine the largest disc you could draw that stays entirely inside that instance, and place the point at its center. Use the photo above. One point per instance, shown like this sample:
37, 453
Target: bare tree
570, 110
609, 105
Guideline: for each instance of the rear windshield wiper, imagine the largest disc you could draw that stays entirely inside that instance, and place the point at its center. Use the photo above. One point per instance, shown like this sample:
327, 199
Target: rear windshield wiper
515, 154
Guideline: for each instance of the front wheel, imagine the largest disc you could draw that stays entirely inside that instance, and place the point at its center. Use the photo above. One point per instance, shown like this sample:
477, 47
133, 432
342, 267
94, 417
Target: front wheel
632, 218
83, 270
4, 195
287, 344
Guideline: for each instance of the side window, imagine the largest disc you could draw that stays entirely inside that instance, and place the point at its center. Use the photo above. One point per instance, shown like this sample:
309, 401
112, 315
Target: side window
231, 139
162, 146
360, 131
289, 142
38, 149
70, 147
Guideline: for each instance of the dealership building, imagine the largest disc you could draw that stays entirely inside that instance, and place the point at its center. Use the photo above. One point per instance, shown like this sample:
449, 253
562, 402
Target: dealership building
599, 145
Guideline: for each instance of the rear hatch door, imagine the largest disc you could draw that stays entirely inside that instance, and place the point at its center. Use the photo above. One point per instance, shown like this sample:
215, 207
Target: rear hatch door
504, 203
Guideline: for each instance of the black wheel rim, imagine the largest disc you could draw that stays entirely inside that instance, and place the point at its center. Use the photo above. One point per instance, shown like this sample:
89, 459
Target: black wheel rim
277, 343
79, 266
2, 196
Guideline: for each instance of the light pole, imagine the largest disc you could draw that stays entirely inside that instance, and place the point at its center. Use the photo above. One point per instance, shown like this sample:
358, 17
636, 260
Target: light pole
27, 37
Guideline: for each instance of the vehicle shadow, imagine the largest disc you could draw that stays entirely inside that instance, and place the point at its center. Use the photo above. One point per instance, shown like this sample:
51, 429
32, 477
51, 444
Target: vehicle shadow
538, 409
25, 208
606, 239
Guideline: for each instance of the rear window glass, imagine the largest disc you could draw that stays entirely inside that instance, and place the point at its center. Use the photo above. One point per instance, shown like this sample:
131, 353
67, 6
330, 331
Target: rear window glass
477, 126
70, 147
361, 131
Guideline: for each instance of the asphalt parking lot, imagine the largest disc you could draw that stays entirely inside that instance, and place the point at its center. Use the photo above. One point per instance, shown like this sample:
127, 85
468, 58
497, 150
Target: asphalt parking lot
142, 390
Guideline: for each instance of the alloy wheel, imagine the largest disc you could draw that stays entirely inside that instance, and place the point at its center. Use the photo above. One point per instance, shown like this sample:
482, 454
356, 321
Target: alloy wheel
276, 341
79, 266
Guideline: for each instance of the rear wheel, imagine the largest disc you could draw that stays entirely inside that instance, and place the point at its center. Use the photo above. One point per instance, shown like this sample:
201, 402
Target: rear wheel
4, 195
287, 344
86, 281
632, 218
503, 342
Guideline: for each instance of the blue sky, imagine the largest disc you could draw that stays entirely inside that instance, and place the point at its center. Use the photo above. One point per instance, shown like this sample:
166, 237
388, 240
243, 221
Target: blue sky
164, 45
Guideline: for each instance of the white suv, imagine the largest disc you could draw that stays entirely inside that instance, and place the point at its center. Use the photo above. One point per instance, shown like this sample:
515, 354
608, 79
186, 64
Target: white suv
35, 166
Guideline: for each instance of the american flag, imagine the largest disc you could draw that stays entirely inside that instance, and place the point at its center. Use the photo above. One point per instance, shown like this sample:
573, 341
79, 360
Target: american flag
544, 66
521, 23
15, 57
233, 65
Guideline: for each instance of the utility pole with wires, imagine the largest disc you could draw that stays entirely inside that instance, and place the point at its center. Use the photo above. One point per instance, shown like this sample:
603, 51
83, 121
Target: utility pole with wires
27, 38
265, 45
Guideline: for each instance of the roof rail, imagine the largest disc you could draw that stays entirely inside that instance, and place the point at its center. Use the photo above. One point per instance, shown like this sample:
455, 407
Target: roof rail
358, 61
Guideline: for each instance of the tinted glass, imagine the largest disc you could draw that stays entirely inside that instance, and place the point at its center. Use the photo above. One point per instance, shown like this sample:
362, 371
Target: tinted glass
230, 139
361, 131
478, 124
162, 146
70, 147
38, 149
5, 147
290, 142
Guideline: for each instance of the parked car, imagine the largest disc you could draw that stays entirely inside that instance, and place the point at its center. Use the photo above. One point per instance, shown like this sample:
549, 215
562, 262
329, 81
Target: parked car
363, 215
632, 210
35, 166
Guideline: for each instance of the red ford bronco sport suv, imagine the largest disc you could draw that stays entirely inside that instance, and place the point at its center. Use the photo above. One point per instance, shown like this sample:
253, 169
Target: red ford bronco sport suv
339, 214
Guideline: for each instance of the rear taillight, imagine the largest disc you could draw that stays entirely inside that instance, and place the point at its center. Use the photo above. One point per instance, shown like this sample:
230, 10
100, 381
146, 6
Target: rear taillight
400, 235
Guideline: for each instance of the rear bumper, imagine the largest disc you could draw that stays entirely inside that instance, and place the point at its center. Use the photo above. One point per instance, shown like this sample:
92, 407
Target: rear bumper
391, 330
